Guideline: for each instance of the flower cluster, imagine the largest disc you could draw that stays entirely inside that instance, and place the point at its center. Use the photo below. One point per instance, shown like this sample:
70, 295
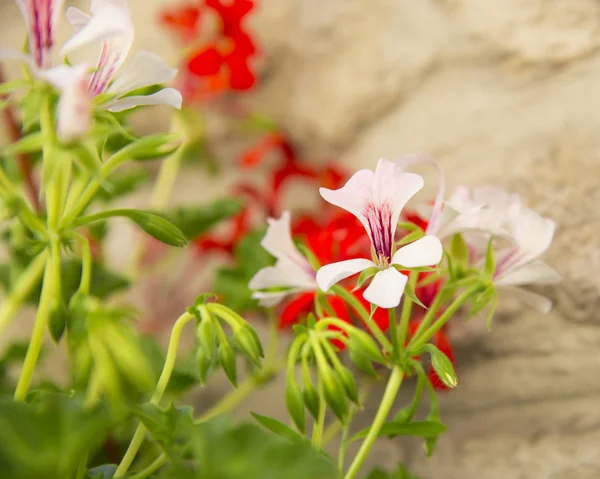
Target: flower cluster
218, 59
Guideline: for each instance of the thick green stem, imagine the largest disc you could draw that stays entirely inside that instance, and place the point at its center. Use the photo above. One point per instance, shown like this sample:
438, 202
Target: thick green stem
386, 404
37, 336
161, 386
23, 287
319, 425
151, 468
342, 452
357, 306
423, 339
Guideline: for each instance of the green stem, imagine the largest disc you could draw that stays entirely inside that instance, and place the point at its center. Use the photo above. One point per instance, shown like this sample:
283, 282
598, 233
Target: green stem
431, 312
23, 287
319, 425
357, 306
407, 309
394, 331
152, 467
161, 386
37, 335
86, 263
342, 453
423, 339
91, 394
165, 180
231, 400
387, 402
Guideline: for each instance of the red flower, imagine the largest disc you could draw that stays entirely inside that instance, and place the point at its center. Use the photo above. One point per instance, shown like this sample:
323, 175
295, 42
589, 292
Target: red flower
183, 20
225, 62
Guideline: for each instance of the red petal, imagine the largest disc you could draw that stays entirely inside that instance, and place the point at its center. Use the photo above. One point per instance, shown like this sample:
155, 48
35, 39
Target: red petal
231, 15
241, 78
184, 20
295, 309
206, 62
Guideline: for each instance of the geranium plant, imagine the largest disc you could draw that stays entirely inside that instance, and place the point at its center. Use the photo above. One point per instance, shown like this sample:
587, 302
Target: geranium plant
362, 292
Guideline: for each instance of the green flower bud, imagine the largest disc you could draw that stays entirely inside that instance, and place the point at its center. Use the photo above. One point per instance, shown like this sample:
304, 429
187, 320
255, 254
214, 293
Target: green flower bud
227, 361
347, 380
206, 337
442, 366
311, 399
248, 342
203, 364
361, 341
57, 319
295, 405
335, 394
362, 361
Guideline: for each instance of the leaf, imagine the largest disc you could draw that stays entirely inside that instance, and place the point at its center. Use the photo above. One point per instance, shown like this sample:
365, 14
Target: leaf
27, 144
152, 147
278, 428
459, 250
122, 184
12, 85
193, 221
417, 428
155, 225
105, 471
47, 437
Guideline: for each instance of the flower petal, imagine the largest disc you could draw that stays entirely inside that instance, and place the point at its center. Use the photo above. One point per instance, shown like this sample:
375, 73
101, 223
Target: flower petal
331, 274
286, 275
539, 302
296, 308
426, 251
77, 19
533, 233
109, 20
278, 241
536, 272
386, 288
268, 299
166, 96
145, 69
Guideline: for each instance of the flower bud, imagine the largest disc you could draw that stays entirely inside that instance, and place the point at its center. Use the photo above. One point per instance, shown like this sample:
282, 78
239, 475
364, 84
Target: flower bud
57, 319
361, 341
443, 367
362, 361
311, 399
203, 364
227, 361
335, 394
295, 405
206, 337
347, 380
248, 342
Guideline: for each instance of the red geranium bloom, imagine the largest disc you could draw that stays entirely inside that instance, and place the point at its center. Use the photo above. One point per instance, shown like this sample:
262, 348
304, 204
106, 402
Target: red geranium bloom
224, 63
183, 20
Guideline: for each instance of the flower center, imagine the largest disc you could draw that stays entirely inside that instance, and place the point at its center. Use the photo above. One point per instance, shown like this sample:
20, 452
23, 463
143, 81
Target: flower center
379, 219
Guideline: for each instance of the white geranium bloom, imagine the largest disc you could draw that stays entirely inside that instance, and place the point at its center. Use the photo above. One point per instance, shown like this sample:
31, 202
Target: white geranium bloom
376, 199
111, 25
291, 271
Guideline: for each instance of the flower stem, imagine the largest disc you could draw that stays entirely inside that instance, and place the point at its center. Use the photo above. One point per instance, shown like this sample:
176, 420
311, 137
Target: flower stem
319, 425
161, 386
431, 312
394, 331
343, 448
391, 390
407, 309
424, 338
357, 306
37, 335
25, 284
152, 467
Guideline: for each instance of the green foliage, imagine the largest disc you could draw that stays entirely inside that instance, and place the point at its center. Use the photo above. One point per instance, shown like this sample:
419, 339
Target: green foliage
399, 473
423, 429
231, 283
47, 438
194, 221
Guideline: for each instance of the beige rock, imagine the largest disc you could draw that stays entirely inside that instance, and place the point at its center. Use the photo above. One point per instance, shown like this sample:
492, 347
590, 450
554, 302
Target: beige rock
534, 30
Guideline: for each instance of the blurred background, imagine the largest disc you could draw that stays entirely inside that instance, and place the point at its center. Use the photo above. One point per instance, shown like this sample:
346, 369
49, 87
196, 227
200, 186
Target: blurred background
500, 92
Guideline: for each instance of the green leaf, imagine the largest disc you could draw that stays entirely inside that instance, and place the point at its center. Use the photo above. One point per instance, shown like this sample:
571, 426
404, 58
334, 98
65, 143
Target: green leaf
459, 250
278, 428
28, 144
365, 275
47, 437
411, 237
194, 221
399, 473
153, 224
12, 85
295, 405
106, 471
152, 147
418, 428
409, 292
119, 185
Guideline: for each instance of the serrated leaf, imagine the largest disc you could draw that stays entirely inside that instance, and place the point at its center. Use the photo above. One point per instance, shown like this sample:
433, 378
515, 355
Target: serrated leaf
155, 225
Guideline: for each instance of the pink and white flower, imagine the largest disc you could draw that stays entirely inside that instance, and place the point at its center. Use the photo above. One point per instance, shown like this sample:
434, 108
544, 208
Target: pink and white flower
292, 270
519, 264
111, 25
376, 198
41, 17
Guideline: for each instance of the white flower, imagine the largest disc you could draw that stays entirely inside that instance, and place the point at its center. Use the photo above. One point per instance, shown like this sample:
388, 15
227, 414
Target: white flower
41, 17
111, 25
519, 265
291, 271
376, 199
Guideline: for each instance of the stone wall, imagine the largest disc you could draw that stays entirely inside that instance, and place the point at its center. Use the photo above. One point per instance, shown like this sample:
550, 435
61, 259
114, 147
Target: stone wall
500, 91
